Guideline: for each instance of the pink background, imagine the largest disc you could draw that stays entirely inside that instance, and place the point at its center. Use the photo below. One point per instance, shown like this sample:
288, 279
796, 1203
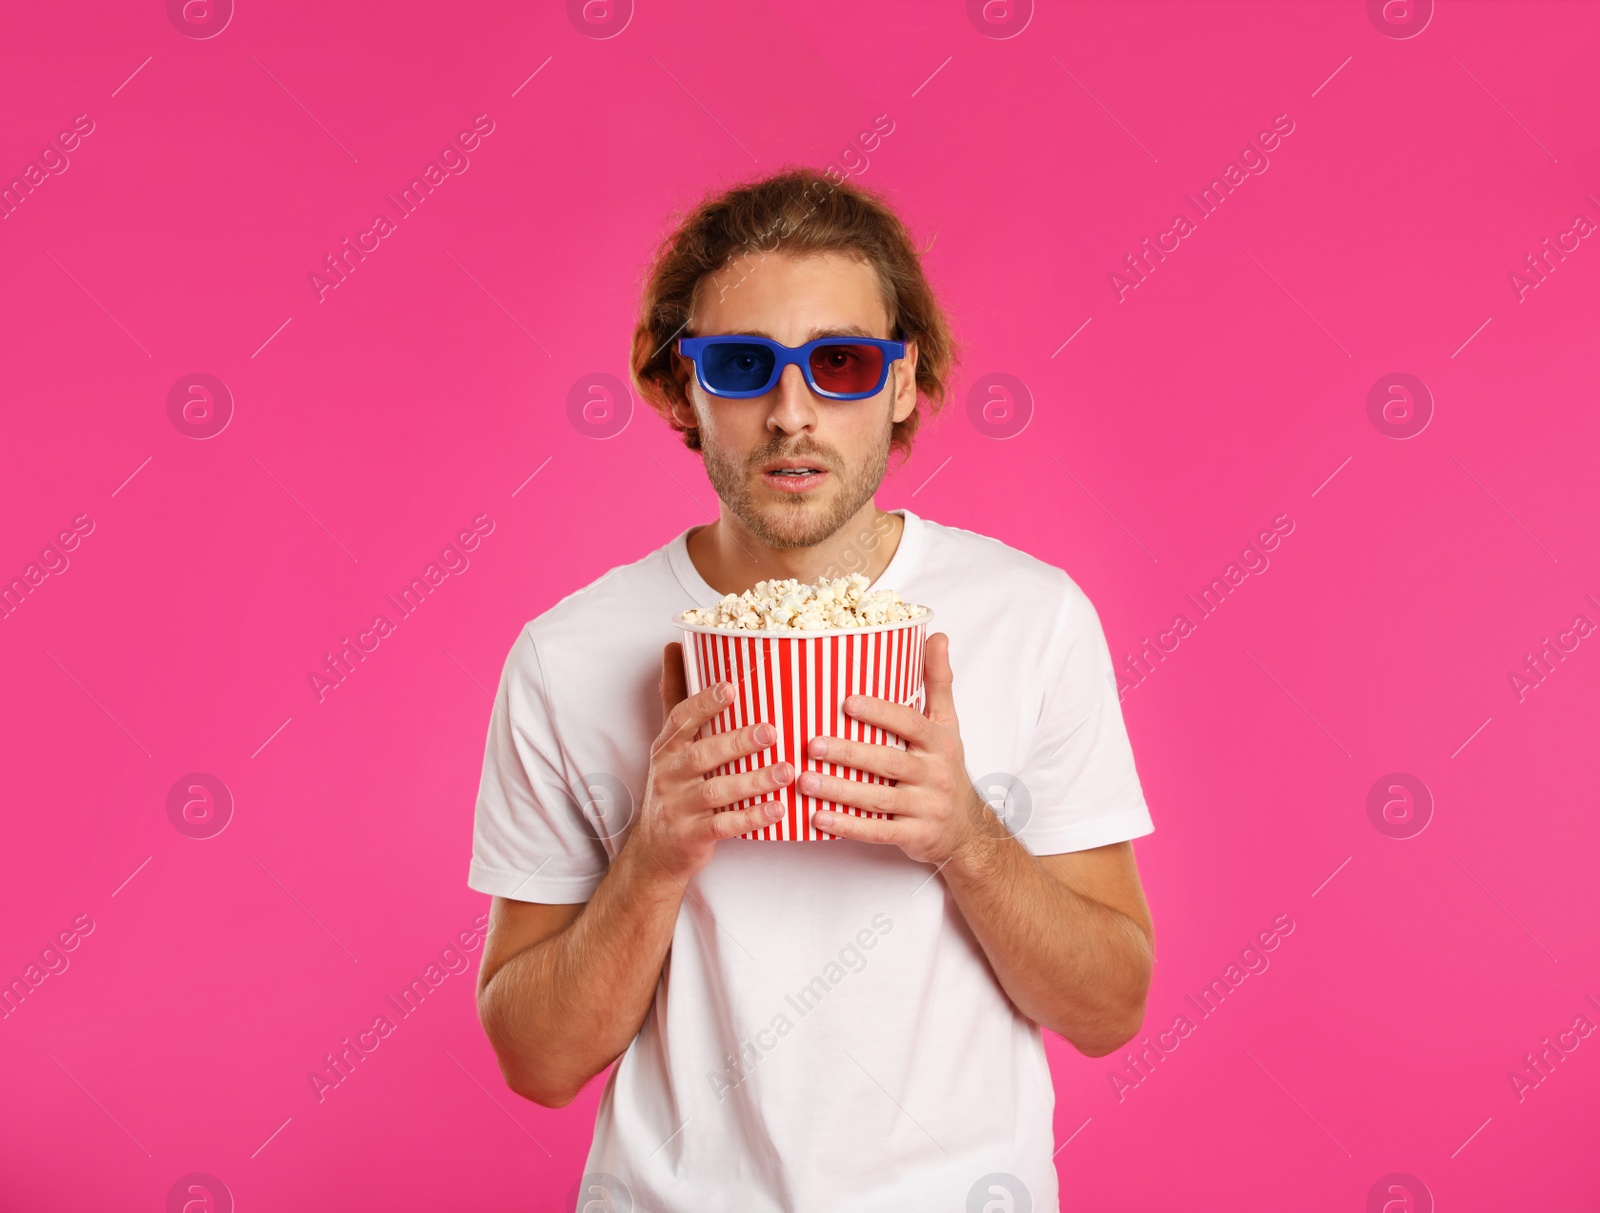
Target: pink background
372, 427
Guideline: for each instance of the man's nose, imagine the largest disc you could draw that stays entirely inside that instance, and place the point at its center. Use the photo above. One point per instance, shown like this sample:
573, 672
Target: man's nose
794, 408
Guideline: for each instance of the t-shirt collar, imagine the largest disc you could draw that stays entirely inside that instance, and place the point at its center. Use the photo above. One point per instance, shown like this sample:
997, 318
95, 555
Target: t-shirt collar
894, 576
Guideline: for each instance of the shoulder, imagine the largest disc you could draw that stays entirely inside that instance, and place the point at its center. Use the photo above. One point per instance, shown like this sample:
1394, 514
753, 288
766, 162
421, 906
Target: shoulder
603, 636
616, 598
1011, 578
1003, 605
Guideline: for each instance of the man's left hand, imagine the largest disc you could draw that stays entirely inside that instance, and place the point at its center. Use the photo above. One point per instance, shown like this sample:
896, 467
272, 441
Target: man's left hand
937, 815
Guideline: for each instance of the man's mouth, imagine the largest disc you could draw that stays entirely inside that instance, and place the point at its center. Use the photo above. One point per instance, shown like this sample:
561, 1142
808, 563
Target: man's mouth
793, 476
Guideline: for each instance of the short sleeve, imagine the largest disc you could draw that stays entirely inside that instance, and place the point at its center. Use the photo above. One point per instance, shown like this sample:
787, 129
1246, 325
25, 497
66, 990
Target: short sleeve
1078, 785
530, 841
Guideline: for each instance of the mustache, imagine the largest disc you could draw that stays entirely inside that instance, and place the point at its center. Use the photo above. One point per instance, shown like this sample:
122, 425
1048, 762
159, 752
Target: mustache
822, 455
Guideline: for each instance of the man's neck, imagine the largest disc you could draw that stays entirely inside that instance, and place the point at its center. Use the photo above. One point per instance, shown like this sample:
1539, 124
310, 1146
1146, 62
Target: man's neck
732, 560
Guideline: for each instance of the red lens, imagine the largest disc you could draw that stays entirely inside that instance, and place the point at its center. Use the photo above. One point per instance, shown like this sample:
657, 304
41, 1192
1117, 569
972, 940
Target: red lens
847, 369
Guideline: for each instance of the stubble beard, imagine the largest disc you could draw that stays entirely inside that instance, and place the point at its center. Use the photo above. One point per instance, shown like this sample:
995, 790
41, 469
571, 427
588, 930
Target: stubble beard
784, 522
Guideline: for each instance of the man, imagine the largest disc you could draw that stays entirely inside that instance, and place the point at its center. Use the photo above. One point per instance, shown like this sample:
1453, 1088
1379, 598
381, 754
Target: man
845, 1026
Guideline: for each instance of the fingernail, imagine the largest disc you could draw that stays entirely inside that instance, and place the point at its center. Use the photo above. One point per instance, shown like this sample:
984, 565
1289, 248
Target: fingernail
724, 691
766, 734
775, 809
782, 772
819, 747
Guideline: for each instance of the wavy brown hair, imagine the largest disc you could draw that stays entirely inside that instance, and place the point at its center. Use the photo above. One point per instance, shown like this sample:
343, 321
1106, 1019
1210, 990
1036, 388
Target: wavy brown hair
799, 211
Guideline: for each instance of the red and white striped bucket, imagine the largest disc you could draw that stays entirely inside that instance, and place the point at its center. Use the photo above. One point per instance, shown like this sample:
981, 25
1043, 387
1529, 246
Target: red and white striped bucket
796, 681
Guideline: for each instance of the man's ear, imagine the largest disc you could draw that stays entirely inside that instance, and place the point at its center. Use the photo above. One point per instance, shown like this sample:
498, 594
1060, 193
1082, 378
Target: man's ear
682, 373
683, 414
905, 398
683, 376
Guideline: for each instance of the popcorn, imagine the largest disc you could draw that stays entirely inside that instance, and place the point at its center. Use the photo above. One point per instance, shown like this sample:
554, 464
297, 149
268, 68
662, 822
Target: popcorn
787, 605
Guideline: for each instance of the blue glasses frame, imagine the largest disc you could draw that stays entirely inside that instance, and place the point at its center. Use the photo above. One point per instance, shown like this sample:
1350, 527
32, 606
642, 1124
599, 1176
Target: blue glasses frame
694, 348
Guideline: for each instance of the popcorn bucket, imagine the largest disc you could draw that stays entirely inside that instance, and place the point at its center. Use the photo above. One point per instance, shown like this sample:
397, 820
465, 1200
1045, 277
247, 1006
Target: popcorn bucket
797, 682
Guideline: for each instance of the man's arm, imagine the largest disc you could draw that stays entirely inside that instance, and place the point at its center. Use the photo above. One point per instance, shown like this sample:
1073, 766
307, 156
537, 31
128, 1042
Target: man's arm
1068, 936
563, 989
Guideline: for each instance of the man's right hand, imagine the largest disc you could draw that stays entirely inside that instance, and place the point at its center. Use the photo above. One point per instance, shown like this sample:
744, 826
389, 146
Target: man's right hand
679, 822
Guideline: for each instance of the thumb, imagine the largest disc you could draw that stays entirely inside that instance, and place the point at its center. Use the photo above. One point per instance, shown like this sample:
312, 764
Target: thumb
937, 679
674, 682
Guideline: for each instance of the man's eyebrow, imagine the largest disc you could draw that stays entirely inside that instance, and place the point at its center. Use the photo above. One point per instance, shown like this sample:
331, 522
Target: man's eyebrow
846, 330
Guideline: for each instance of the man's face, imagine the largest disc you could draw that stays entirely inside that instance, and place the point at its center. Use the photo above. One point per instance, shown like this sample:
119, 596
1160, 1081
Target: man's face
845, 443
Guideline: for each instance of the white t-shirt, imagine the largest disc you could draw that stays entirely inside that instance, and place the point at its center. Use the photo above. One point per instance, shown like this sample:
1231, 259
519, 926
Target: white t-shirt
827, 1035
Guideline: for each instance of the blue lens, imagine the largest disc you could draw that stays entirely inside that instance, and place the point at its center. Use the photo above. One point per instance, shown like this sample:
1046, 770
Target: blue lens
736, 366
